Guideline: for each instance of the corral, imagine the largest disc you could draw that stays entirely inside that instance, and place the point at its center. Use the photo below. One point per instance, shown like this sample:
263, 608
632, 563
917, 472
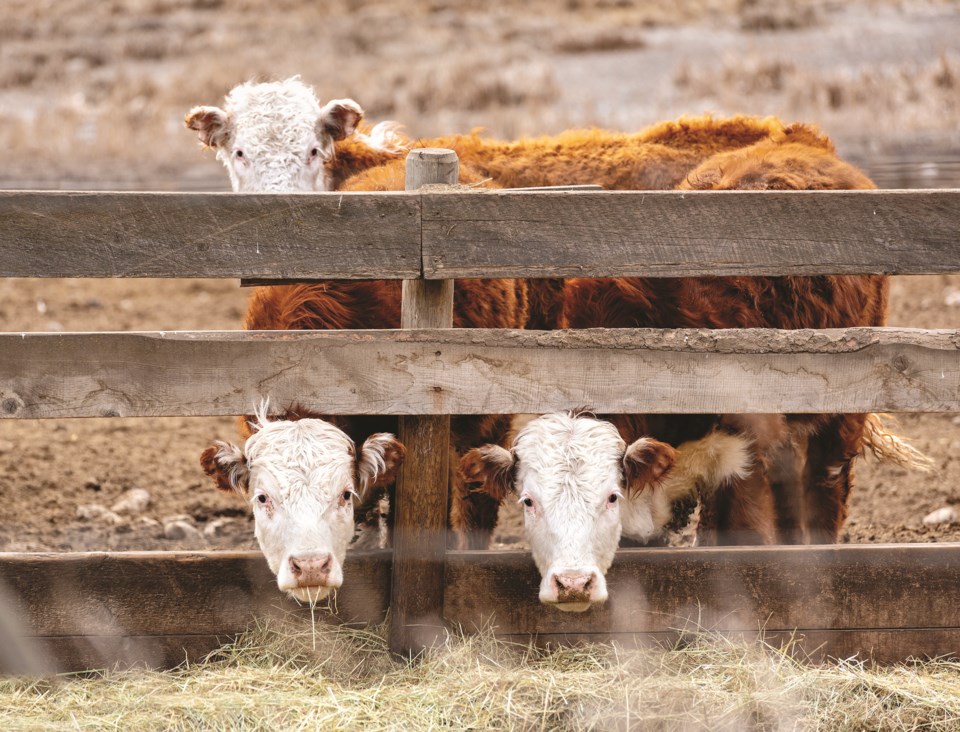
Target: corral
84, 611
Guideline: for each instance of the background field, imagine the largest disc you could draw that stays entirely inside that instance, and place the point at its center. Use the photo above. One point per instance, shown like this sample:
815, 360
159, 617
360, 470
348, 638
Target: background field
92, 95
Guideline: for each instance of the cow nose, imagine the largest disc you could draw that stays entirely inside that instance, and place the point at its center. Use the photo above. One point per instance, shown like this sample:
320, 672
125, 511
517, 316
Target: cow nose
573, 586
311, 570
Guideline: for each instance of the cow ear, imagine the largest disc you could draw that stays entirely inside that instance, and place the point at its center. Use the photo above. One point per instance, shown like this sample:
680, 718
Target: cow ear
380, 457
339, 119
227, 465
489, 469
646, 462
211, 123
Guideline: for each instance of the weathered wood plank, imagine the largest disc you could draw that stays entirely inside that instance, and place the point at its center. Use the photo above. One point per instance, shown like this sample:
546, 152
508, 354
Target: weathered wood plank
673, 234
170, 593
827, 588
476, 234
458, 371
420, 503
70, 612
322, 236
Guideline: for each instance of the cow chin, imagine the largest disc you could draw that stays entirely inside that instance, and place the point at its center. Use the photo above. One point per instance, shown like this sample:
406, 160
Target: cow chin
572, 607
310, 594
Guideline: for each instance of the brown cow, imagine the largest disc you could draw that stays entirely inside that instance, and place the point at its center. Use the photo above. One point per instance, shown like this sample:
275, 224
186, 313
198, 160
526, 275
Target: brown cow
812, 508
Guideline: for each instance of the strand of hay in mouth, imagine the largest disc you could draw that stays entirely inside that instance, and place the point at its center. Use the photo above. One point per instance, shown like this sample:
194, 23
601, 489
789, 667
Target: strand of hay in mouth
273, 679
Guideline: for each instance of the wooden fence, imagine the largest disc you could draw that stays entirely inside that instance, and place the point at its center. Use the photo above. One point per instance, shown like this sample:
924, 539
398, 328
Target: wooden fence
885, 602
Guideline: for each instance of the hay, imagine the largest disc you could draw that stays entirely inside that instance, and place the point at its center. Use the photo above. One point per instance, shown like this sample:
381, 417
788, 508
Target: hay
272, 679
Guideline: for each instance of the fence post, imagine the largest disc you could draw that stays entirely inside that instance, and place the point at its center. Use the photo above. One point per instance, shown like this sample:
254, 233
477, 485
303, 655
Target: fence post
420, 505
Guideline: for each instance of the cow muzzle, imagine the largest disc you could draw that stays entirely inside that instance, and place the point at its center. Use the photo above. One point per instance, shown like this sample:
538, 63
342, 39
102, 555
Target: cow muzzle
310, 577
573, 590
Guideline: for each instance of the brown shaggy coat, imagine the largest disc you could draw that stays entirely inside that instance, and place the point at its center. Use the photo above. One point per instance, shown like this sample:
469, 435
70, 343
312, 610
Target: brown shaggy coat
657, 157
695, 153
793, 500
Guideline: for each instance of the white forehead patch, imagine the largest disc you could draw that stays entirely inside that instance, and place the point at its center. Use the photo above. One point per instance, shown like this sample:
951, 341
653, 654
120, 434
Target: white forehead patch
274, 120
307, 458
569, 453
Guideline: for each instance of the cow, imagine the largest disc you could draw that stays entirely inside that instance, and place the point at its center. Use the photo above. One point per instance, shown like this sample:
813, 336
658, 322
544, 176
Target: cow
806, 491
276, 136
301, 477
585, 482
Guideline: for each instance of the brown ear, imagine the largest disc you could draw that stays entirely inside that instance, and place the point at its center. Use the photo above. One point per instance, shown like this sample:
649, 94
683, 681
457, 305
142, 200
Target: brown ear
227, 465
647, 461
339, 118
489, 469
380, 457
211, 123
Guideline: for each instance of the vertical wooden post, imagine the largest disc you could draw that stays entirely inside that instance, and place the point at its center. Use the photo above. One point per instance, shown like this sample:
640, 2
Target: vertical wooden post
420, 506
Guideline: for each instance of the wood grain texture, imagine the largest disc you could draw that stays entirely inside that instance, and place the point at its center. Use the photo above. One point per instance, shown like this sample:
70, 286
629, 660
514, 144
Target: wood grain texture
69, 612
459, 371
427, 166
78, 611
866, 587
477, 234
171, 593
319, 236
420, 505
674, 234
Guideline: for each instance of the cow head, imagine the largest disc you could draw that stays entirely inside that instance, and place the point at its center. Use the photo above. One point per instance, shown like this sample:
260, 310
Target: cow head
301, 478
275, 137
581, 486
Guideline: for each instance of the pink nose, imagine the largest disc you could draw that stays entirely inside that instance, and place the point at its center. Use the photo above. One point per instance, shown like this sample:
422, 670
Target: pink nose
311, 570
574, 586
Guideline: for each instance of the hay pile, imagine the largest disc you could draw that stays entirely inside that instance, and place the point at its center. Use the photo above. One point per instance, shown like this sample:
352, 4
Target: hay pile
272, 679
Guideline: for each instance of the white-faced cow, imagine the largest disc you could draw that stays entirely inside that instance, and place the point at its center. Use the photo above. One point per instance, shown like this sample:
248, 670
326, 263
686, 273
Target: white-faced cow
582, 487
275, 137
301, 478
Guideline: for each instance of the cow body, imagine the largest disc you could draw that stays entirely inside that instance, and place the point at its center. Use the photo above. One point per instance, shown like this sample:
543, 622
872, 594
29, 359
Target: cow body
804, 494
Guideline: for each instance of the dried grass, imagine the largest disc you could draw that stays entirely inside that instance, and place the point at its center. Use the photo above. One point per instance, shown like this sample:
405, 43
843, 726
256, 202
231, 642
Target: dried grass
273, 679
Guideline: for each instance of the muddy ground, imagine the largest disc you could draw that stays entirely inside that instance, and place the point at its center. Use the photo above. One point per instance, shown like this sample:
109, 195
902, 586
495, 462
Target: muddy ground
92, 95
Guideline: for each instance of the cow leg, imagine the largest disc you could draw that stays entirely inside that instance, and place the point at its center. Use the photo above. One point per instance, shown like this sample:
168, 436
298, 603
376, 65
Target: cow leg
473, 514
828, 477
739, 513
786, 466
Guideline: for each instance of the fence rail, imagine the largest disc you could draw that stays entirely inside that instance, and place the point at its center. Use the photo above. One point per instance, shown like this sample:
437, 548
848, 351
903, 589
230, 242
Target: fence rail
460, 371
477, 234
884, 603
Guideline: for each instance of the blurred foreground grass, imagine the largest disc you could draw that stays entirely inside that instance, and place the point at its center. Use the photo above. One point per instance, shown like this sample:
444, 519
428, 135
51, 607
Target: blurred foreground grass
282, 677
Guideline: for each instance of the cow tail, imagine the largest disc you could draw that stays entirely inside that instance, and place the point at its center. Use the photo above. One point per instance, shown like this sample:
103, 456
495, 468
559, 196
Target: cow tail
887, 446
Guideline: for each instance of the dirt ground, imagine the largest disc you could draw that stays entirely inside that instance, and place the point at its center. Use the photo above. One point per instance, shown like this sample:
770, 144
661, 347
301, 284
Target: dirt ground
92, 96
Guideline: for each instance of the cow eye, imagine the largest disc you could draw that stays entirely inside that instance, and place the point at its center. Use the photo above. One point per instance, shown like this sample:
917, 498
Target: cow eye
238, 154
528, 502
314, 152
613, 498
262, 498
